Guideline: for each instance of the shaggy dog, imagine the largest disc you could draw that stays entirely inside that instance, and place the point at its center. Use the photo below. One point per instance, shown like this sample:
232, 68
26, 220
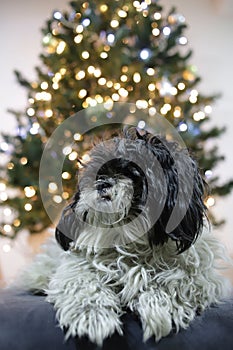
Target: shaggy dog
132, 239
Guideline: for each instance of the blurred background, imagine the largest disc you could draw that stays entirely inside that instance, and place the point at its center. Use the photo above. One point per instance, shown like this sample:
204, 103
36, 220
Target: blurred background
209, 33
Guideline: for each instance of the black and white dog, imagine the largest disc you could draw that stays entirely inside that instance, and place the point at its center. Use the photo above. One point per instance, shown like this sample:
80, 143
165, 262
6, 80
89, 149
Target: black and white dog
133, 238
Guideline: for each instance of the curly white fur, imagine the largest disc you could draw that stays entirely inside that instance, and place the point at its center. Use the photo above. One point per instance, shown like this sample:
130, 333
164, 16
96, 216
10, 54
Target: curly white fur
91, 290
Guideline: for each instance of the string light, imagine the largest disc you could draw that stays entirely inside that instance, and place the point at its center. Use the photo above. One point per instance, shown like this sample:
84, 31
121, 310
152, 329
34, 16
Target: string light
66, 175
77, 137
123, 92
4, 146
30, 112
73, 155
177, 112
23, 160
183, 127
123, 78
28, 207
82, 93
79, 29
86, 22
199, 116
10, 166
52, 187
114, 23
48, 113
155, 31
181, 86
111, 38
166, 31
103, 8
7, 228
210, 202
60, 47
157, 16
141, 104
85, 55
44, 85
122, 13
182, 40
67, 150
152, 111
85, 157
57, 199
117, 86
208, 109
145, 54
103, 55
97, 72
141, 124
208, 174
16, 222
102, 81
115, 97
151, 87
136, 77
78, 38
65, 195
29, 191
80, 75
150, 71
57, 15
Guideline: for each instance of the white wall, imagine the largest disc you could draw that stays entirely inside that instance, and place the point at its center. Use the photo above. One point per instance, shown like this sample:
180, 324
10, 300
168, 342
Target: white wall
210, 36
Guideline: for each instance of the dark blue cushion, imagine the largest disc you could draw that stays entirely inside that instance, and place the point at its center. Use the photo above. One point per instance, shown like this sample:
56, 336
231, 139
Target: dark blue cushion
27, 322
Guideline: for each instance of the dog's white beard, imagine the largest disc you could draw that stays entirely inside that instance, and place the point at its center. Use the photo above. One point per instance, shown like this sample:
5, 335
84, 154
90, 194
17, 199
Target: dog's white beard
102, 226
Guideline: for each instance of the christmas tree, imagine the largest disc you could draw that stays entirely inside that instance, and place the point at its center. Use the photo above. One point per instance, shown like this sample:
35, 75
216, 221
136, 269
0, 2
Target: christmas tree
100, 53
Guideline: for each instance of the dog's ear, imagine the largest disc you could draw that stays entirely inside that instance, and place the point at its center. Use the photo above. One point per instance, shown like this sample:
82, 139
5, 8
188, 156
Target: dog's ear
190, 225
63, 232
62, 239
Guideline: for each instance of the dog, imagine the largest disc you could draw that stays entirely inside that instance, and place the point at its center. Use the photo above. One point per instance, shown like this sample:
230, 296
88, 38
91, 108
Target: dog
119, 250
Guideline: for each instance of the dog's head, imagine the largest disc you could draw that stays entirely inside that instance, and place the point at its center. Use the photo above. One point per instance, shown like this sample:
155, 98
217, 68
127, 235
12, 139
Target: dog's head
132, 186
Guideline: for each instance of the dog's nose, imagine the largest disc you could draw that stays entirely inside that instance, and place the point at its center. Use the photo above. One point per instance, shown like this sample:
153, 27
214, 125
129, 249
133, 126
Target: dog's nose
101, 185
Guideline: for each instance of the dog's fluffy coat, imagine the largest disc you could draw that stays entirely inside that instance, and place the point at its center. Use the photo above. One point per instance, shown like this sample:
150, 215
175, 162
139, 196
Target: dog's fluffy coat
108, 266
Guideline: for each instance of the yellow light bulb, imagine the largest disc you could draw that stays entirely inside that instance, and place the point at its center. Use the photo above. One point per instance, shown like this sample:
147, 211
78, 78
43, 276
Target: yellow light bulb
44, 85
82, 93
73, 155
79, 29
57, 199
23, 160
102, 81
85, 55
48, 113
29, 191
66, 175
114, 23
7, 228
151, 87
78, 38
103, 8
77, 137
61, 47
80, 75
28, 207
86, 157
136, 77
52, 187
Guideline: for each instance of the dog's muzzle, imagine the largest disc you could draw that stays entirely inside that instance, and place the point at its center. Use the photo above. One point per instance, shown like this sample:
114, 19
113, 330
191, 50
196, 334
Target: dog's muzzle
103, 187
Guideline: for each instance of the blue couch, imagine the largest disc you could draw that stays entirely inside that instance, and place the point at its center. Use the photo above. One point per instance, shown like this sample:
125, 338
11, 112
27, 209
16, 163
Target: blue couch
27, 322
